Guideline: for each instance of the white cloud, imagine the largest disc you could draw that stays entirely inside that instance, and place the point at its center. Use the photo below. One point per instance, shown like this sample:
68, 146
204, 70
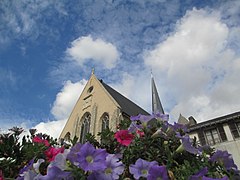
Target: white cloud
52, 128
86, 48
23, 19
62, 107
197, 66
66, 99
136, 88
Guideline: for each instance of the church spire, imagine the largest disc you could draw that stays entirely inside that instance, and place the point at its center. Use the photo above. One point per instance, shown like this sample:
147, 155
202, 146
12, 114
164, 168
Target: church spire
156, 103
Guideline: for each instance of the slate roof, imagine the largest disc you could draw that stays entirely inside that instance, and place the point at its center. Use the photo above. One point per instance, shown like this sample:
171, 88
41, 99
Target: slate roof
222, 119
127, 106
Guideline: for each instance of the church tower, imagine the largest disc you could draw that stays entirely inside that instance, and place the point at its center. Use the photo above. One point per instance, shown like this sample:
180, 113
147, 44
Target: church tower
156, 103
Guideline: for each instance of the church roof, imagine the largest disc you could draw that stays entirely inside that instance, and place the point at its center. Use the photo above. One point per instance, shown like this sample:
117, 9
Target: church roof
127, 106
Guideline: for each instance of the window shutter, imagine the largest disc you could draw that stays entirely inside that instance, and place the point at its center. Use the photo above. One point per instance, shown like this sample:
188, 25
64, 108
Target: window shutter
222, 132
201, 137
233, 129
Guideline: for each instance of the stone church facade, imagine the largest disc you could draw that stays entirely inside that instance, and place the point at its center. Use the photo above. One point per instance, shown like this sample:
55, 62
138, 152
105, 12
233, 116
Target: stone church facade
99, 106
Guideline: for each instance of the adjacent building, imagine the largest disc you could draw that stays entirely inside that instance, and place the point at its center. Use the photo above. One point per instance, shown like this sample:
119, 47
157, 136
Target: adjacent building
221, 133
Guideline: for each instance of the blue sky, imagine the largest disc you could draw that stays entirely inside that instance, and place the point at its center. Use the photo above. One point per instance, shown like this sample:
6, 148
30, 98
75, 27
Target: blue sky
48, 48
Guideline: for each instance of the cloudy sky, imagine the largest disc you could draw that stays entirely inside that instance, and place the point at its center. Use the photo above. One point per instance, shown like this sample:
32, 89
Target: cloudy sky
48, 48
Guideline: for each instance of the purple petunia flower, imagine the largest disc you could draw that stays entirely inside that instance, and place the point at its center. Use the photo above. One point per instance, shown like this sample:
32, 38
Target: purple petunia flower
223, 157
113, 170
72, 155
30, 170
208, 178
134, 127
205, 148
60, 160
146, 118
163, 117
141, 168
158, 172
199, 174
142, 118
114, 166
91, 159
179, 127
135, 118
55, 173
186, 144
27, 167
96, 175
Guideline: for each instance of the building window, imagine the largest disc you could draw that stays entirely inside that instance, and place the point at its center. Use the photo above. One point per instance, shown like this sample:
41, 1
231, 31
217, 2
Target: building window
238, 127
105, 121
87, 102
212, 136
235, 128
85, 128
90, 89
67, 137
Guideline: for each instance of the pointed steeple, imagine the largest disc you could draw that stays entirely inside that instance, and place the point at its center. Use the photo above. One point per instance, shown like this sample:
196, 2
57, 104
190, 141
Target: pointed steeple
156, 103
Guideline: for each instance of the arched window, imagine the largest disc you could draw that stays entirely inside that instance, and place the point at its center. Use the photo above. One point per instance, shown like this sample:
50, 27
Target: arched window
67, 137
105, 121
85, 128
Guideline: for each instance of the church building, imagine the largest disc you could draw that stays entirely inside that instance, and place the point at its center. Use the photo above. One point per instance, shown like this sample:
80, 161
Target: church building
100, 106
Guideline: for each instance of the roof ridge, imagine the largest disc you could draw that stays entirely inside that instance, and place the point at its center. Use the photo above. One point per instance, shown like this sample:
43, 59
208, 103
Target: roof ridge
127, 105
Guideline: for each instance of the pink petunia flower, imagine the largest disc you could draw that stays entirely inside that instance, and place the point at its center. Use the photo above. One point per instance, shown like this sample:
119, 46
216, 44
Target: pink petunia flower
52, 152
37, 139
140, 133
124, 137
1, 175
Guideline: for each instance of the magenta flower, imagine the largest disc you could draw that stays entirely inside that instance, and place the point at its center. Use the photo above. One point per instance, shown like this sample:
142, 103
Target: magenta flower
1, 175
91, 159
124, 137
40, 140
51, 152
140, 133
60, 160
141, 168
158, 172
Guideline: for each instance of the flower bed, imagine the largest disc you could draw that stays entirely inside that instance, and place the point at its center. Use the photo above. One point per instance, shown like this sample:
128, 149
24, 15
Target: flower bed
147, 147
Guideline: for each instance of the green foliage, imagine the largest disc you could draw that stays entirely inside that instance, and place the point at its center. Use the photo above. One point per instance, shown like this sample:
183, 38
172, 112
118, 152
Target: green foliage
163, 150
124, 124
146, 144
10, 151
16, 152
